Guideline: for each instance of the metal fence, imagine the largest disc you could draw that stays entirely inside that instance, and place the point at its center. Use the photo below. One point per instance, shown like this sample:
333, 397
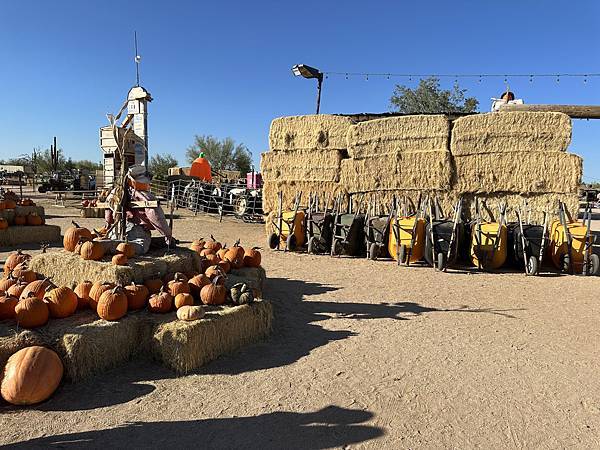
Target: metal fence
221, 199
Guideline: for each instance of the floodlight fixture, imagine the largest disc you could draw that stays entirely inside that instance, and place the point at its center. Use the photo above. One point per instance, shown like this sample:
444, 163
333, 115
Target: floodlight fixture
302, 70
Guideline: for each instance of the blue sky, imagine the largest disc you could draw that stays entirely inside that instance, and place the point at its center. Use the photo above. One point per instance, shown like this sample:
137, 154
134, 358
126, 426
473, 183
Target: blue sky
223, 67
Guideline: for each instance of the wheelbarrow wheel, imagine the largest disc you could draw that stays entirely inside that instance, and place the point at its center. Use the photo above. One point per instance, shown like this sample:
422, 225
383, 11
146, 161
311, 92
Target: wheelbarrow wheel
336, 248
291, 242
402, 253
565, 263
532, 267
313, 245
593, 265
373, 251
273, 241
441, 261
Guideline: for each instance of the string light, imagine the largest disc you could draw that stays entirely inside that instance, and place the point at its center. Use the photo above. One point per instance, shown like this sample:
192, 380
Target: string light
456, 77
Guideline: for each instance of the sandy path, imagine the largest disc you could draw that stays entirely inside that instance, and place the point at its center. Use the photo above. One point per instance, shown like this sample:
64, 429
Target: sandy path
362, 354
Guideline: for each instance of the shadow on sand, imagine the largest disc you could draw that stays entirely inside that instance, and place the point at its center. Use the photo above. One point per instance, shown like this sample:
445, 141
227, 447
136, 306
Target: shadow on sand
329, 427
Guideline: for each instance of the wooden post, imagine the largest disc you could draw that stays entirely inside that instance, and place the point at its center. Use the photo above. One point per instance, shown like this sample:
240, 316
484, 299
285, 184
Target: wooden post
573, 111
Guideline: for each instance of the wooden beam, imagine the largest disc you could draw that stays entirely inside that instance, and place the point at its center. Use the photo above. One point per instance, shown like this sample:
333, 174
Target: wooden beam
573, 111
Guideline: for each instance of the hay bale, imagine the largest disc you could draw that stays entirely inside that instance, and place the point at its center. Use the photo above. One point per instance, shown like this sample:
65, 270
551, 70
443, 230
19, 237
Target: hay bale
424, 170
9, 214
26, 234
86, 344
68, 269
511, 131
519, 172
396, 134
13, 340
306, 165
186, 346
322, 132
290, 187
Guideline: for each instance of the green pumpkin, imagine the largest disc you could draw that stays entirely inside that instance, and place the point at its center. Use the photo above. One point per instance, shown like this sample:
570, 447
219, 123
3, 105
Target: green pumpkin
241, 294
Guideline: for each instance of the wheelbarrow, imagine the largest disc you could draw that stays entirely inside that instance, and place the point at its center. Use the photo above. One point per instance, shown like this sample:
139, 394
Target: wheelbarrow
407, 234
489, 240
571, 243
443, 237
348, 231
319, 226
377, 232
527, 243
288, 227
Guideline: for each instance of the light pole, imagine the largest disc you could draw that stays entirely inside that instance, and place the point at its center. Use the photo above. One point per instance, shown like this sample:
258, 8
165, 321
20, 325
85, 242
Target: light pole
302, 70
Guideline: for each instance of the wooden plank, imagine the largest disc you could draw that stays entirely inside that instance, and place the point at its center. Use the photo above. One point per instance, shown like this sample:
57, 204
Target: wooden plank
573, 111
133, 204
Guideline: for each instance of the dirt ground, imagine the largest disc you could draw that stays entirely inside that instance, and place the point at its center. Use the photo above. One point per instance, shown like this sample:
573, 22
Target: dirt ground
362, 354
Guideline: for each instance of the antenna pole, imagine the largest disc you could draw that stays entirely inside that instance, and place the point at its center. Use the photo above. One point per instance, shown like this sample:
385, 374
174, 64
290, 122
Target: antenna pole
137, 60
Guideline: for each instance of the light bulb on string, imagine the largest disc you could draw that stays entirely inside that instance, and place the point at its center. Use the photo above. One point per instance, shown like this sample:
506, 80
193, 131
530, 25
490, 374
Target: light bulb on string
585, 78
558, 78
346, 76
366, 77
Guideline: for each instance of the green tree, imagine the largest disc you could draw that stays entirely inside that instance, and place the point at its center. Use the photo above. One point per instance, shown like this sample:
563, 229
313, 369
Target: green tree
222, 154
428, 97
159, 165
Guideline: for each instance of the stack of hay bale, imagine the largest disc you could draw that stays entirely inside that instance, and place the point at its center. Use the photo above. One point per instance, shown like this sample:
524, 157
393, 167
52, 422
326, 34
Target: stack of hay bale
305, 155
398, 156
516, 156
509, 157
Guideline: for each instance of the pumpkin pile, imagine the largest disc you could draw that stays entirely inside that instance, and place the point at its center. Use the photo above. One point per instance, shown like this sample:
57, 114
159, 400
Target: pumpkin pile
10, 201
86, 243
214, 253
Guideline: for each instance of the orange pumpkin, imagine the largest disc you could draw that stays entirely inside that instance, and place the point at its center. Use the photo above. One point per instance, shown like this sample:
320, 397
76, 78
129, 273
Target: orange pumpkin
214, 271
14, 259
112, 304
183, 299
196, 283
10, 203
37, 288
153, 284
127, 249
212, 244
235, 255
213, 293
82, 291
207, 252
92, 250
2, 205
222, 252
34, 219
23, 272
98, 288
197, 245
179, 285
212, 260
61, 301
7, 282
31, 312
137, 296
252, 257
3, 223
7, 306
225, 266
119, 259
31, 376
17, 289
161, 302
74, 234
20, 220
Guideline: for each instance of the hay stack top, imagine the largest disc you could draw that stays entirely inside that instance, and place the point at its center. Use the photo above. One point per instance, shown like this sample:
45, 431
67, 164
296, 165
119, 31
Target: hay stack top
321, 131
511, 131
